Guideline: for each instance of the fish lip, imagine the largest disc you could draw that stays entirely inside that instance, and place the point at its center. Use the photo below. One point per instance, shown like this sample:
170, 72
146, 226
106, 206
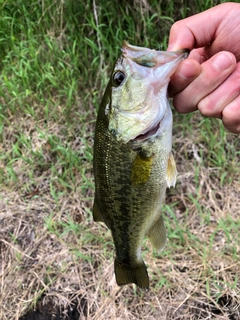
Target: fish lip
139, 59
149, 134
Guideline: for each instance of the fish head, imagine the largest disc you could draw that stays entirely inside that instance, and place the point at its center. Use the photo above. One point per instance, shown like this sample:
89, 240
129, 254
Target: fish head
138, 102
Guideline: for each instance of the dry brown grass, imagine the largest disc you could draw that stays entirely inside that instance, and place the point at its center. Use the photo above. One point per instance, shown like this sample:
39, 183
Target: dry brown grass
55, 263
66, 272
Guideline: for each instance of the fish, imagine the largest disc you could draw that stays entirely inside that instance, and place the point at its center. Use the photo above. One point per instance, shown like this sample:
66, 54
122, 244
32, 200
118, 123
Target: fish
132, 158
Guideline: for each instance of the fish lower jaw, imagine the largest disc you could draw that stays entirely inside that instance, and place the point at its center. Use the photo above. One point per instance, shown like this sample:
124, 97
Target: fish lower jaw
149, 133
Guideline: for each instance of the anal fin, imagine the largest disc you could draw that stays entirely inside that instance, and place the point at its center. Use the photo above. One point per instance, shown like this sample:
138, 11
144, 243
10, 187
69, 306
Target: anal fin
126, 274
158, 234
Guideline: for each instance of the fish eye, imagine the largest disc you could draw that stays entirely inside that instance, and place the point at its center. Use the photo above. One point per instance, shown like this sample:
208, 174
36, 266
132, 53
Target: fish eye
118, 78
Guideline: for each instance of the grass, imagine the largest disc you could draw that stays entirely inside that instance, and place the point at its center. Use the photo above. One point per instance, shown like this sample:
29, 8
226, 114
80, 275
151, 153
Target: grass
55, 59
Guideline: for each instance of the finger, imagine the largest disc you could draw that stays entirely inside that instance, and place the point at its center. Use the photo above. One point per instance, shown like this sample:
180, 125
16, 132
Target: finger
214, 103
213, 72
192, 33
200, 30
231, 115
187, 71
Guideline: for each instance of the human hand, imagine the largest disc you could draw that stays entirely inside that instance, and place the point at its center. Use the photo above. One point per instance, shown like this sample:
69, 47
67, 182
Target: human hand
209, 80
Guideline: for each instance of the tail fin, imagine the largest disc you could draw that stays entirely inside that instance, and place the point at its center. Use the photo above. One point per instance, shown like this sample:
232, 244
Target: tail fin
126, 274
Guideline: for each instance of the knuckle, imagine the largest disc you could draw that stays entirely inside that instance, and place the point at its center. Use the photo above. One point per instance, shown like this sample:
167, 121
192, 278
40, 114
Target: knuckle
206, 107
237, 129
234, 129
236, 75
175, 26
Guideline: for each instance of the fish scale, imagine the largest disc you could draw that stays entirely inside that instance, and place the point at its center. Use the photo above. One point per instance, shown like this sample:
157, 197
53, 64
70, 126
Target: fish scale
133, 163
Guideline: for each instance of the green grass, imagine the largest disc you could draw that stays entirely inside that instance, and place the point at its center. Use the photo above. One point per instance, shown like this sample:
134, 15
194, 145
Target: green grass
55, 61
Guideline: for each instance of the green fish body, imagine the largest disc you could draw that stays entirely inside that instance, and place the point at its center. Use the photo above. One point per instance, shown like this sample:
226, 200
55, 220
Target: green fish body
133, 163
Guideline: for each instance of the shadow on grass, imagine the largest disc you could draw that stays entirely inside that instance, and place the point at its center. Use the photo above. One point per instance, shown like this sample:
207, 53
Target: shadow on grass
49, 311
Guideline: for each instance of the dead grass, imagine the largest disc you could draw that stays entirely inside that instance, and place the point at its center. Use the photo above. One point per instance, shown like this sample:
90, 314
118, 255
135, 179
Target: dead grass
53, 257
55, 263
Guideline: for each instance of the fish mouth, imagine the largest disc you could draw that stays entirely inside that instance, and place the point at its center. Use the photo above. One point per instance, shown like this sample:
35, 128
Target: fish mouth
148, 134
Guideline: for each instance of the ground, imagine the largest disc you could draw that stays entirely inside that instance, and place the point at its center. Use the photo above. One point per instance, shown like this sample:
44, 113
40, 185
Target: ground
56, 263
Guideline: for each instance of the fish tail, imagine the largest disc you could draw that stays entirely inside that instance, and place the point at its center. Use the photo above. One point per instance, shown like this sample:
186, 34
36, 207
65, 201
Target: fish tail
126, 274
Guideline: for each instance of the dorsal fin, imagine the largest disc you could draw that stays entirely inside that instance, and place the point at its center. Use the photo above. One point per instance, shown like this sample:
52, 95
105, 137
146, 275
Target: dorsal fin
96, 213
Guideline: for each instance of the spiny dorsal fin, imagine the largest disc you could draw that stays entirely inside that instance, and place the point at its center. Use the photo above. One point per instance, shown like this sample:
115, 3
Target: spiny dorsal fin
171, 172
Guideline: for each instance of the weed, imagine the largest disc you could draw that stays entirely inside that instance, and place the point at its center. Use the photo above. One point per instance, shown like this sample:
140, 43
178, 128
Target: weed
55, 60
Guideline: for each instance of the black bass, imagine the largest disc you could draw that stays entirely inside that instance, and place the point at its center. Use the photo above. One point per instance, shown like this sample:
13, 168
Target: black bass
133, 163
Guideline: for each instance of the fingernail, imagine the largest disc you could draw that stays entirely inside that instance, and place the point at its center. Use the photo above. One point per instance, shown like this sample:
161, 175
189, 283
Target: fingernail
173, 47
222, 61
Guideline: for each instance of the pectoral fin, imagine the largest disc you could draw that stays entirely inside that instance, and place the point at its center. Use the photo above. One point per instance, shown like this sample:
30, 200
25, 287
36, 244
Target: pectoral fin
158, 235
96, 213
171, 172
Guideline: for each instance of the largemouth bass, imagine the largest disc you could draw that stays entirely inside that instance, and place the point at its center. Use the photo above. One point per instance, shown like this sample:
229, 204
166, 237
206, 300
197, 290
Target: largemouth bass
133, 163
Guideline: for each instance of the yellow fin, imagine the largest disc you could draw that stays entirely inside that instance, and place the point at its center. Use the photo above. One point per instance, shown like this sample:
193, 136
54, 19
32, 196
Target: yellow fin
125, 274
171, 172
158, 235
141, 169
96, 213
